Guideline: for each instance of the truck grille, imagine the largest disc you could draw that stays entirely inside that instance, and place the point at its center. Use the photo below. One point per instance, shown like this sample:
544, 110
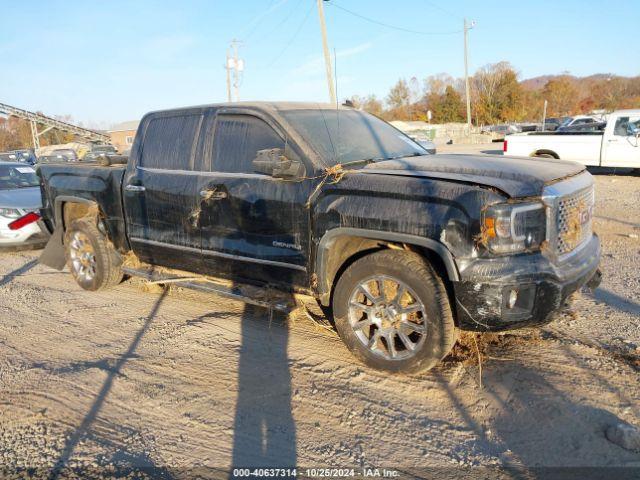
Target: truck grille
569, 213
571, 217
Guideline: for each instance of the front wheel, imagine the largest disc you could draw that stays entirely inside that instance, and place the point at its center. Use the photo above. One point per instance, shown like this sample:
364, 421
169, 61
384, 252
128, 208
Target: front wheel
93, 261
392, 311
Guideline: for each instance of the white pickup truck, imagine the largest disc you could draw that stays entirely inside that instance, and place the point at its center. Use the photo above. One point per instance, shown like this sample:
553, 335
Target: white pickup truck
617, 146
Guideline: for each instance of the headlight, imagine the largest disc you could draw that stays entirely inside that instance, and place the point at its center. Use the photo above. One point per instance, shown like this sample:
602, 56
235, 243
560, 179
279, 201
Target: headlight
9, 213
514, 227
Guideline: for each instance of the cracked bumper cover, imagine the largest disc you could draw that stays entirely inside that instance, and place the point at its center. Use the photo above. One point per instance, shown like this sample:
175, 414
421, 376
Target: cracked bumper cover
541, 286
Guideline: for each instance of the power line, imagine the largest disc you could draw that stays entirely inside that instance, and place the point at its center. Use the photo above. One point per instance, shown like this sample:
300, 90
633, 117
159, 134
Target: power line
438, 7
255, 23
293, 38
283, 21
394, 27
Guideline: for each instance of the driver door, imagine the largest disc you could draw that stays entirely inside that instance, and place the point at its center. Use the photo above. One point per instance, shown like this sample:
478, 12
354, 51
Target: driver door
253, 226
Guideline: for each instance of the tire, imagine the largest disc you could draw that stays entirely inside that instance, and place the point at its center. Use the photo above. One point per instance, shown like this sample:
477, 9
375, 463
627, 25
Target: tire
92, 260
428, 326
545, 155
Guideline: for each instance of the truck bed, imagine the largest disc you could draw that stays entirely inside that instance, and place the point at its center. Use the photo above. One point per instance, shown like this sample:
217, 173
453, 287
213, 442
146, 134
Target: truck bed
89, 181
582, 147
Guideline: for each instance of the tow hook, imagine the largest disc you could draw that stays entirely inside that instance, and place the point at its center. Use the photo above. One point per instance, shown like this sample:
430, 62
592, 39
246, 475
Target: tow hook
594, 281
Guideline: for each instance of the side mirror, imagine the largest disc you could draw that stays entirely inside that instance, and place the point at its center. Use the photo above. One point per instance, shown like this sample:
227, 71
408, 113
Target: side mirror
273, 161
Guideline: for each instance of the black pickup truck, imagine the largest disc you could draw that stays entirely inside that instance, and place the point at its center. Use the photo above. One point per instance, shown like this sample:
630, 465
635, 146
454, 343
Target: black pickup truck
403, 247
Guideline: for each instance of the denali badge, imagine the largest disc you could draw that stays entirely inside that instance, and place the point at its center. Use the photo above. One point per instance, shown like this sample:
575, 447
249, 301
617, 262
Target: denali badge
292, 246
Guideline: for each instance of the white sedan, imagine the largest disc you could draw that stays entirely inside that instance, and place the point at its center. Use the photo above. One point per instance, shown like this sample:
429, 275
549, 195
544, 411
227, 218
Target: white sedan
19, 195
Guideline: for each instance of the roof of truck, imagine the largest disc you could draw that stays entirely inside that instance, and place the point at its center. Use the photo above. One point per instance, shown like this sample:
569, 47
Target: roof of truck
628, 110
273, 106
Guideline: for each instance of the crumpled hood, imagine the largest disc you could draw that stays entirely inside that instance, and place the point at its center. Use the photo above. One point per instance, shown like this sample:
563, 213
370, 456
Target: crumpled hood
24, 198
515, 176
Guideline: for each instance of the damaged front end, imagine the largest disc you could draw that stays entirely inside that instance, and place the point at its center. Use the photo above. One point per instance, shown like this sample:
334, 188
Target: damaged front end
535, 254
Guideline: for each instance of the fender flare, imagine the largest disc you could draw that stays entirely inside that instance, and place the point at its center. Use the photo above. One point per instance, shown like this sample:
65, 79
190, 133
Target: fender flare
325, 244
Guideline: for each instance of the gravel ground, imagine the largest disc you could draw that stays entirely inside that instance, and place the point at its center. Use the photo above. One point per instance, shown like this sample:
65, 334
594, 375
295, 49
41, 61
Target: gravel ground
167, 381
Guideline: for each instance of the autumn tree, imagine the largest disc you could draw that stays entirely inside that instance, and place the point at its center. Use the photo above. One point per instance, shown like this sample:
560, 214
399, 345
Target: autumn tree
398, 100
561, 95
446, 107
497, 95
370, 104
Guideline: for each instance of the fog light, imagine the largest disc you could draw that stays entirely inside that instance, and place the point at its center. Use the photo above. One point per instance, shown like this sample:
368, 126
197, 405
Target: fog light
513, 298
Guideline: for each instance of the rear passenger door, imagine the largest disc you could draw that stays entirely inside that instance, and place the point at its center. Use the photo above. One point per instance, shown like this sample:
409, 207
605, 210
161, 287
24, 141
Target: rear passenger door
254, 226
161, 193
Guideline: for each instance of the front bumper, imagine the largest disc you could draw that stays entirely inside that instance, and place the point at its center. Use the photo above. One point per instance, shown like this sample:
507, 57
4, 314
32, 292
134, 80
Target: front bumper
484, 294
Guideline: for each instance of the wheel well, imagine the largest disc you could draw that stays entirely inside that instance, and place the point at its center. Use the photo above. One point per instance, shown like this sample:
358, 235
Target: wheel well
347, 249
74, 210
545, 152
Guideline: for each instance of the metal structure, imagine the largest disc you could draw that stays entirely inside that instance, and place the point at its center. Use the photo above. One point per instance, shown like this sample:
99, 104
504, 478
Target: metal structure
467, 27
36, 118
237, 65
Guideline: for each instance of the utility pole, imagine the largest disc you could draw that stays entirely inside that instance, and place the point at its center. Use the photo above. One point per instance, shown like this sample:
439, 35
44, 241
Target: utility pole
327, 56
237, 65
227, 66
467, 27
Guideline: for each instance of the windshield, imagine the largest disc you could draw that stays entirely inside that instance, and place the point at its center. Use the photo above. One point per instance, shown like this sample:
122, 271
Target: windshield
17, 177
349, 135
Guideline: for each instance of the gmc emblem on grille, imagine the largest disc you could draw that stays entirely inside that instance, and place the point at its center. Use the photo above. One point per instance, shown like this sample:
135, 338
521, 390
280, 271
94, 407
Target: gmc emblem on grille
584, 216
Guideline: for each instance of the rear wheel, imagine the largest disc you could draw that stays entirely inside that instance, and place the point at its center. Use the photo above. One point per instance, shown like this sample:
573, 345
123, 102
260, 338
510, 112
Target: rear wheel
93, 261
544, 155
392, 311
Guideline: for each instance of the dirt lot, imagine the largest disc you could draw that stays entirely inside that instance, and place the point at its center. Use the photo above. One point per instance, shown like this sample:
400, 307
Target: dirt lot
171, 381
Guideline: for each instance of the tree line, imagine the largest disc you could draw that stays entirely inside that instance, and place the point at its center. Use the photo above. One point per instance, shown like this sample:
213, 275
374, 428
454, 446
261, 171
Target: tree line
498, 96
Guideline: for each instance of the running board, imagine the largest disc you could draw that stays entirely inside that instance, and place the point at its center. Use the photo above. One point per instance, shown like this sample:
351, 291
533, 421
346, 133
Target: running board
235, 292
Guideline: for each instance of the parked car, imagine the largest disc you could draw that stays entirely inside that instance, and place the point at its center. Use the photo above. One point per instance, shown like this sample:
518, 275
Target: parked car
67, 153
552, 124
618, 145
104, 149
584, 127
577, 120
97, 150
405, 247
57, 158
502, 129
427, 144
19, 195
24, 156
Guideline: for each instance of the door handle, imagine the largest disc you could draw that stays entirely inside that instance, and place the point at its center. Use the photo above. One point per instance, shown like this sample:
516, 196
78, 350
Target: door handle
134, 188
212, 195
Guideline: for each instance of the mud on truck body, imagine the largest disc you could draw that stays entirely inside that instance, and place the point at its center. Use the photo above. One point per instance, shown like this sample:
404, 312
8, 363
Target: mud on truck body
403, 247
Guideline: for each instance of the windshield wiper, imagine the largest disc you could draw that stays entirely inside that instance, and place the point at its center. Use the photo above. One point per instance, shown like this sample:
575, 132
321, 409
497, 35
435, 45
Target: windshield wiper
415, 154
364, 160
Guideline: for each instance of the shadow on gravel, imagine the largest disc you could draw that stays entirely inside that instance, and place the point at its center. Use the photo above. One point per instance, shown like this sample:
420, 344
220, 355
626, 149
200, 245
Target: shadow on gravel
617, 220
548, 432
616, 301
85, 426
538, 430
264, 433
18, 271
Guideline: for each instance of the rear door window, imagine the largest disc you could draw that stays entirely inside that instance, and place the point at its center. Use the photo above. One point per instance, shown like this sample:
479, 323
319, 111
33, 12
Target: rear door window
169, 142
237, 140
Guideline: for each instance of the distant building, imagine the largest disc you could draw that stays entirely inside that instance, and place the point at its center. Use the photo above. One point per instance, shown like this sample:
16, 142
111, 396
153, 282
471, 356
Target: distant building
122, 134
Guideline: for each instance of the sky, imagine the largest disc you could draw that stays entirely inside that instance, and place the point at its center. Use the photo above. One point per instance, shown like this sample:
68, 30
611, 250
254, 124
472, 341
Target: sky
109, 61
